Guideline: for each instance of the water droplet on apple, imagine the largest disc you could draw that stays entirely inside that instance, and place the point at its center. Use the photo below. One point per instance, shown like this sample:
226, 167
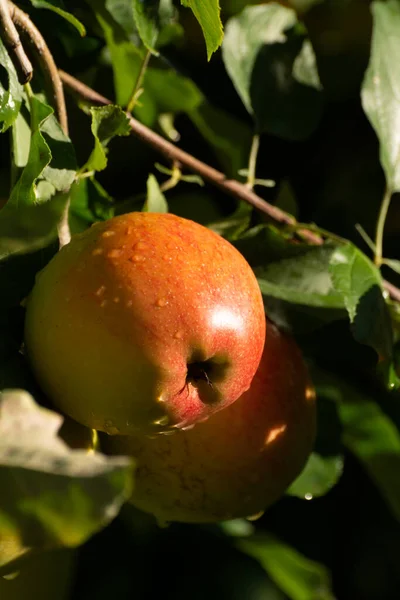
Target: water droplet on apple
166, 257
97, 251
116, 299
108, 233
178, 335
129, 303
256, 516
100, 291
139, 246
103, 303
136, 258
161, 302
114, 253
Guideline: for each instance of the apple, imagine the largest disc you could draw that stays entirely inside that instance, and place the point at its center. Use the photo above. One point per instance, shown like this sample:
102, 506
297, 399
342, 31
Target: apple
242, 459
145, 322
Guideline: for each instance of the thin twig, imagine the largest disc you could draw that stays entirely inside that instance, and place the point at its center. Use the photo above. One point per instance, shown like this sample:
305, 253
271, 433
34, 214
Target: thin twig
231, 186
47, 64
138, 83
12, 42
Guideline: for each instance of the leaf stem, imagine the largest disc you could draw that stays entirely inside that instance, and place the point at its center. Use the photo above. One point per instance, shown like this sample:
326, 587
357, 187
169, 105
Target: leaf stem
138, 84
251, 173
380, 226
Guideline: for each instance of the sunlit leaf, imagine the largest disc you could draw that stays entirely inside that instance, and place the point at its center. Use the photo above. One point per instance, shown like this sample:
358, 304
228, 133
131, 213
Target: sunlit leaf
207, 12
107, 122
381, 88
155, 199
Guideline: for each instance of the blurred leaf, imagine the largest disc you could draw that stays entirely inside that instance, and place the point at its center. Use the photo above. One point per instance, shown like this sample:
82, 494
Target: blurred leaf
107, 122
61, 171
319, 475
51, 495
155, 200
21, 137
359, 283
301, 279
232, 227
275, 71
299, 577
122, 12
10, 96
393, 264
207, 12
57, 6
381, 88
368, 433
146, 16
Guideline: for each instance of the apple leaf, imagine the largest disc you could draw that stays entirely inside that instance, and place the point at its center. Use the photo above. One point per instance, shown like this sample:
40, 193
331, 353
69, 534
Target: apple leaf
51, 495
107, 122
299, 577
89, 202
359, 283
57, 6
275, 71
207, 13
146, 15
319, 475
10, 95
155, 200
381, 87
393, 264
368, 433
27, 222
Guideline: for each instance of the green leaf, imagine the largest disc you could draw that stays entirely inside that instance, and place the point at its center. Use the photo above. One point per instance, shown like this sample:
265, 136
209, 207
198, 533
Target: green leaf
155, 200
207, 12
146, 16
393, 264
107, 122
121, 11
58, 7
299, 577
275, 71
10, 97
301, 279
368, 433
89, 202
28, 223
359, 283
51, 495
319, 475
381, 87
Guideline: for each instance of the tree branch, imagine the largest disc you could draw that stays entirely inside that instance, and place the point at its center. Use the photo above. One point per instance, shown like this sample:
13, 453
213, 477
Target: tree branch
231, 186
12, 42
47, 64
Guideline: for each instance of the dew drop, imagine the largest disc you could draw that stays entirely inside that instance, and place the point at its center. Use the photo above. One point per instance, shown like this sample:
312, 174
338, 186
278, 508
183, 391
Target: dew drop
115, 253
161, 302
108, 233
166, 257
128, 230
136, 258
308, 496
116, 300
103, 303
100, 291
97, 251
139, 246
129, 304
178, 335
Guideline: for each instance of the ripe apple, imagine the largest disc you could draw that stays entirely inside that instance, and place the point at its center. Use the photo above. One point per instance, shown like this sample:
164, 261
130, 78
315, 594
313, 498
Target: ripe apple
145, 322
242, 459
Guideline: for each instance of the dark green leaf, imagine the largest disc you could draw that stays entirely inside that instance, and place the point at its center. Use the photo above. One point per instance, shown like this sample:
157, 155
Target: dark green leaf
275, 71
11, 96
146, 16
51, 495
89, 202
207, 12
155, 200
381, 88
299, 577
319, 475
107, 122
359, 283
58, 7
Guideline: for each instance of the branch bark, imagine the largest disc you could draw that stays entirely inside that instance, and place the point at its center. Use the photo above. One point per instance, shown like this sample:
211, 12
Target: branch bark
47, 64
12, 42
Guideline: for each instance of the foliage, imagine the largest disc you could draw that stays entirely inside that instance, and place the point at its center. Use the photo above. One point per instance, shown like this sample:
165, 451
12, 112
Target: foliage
317, 86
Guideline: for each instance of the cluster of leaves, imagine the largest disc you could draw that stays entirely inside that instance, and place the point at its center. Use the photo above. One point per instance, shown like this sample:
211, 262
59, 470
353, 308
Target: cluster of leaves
135, 51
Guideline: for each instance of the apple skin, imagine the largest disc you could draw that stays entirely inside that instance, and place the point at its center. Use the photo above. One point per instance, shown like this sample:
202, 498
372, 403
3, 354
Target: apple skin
242, 459
119, 313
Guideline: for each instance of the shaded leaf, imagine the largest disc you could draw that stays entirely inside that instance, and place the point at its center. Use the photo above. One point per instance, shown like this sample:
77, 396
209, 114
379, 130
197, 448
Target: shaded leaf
107, 122
57, 6
89, 202
207, 12
275, 71
146, 15
51, 495
393, 264
319, 475
299, 577
155, 200
359, 283
381, 87
11, 96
